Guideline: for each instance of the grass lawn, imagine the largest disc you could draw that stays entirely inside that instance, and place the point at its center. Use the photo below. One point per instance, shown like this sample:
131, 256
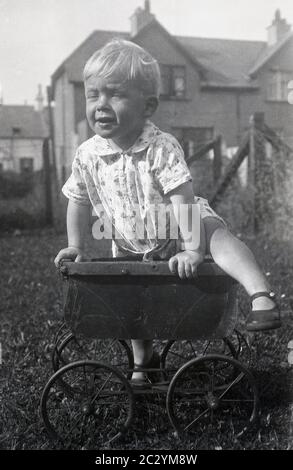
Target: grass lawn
31, 310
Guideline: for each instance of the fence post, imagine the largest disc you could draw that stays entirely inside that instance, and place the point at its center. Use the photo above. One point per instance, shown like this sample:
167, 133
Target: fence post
52, 136
48, 182
217, 161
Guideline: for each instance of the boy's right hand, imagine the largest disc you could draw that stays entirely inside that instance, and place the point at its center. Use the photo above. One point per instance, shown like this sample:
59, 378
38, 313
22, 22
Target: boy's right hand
70, 253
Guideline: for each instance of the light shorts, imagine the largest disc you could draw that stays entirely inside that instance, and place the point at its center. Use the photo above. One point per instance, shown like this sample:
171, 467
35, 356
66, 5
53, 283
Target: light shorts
206, 210
169, 247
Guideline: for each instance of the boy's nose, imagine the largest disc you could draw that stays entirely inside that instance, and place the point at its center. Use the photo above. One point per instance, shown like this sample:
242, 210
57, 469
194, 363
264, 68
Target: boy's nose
102, 102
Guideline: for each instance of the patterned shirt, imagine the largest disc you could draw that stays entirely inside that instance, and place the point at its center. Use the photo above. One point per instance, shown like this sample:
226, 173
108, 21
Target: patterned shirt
125, 186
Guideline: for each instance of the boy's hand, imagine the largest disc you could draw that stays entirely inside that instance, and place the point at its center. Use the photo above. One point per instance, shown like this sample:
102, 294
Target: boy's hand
70, 253
185, 263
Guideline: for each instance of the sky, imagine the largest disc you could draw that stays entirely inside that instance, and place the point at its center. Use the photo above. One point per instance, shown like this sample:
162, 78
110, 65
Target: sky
36, 36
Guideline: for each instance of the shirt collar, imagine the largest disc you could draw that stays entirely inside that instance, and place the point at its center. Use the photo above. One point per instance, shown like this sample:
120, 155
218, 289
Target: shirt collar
149, 131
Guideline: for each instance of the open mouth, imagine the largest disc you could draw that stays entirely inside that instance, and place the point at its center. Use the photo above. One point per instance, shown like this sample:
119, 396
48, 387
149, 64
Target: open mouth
106, 120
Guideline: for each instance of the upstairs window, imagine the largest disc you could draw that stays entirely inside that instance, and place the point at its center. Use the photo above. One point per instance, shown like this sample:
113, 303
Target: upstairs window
16, 131
26, 165
173, 81
277, 85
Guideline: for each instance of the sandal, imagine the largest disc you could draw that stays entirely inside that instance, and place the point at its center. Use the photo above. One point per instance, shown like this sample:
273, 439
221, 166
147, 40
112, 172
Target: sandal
260, 320
149, 376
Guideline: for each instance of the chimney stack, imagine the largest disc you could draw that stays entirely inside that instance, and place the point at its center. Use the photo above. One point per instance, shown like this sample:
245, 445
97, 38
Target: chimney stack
147, 6
278, 29
140, 18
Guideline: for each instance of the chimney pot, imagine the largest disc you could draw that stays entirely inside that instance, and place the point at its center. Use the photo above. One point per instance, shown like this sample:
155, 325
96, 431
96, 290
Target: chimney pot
40, 99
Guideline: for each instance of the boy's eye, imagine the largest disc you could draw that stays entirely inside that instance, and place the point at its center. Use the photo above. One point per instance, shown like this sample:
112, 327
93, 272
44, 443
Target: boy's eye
92, 94
118, 92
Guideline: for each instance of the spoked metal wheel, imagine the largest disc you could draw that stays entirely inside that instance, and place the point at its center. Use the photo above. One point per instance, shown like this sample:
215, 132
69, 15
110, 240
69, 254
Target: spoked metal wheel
215, 395
177, 353
113, 351
94, 410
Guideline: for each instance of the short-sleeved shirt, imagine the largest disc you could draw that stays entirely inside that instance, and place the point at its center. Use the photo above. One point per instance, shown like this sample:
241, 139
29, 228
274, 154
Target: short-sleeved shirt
127, 185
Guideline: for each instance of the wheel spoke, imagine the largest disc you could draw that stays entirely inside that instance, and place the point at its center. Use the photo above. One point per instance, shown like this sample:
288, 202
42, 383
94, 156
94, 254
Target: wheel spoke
192, 348
212, 382
176, 354
85, 381
196, 419
237, 400
237, 380
102, 388
206, 347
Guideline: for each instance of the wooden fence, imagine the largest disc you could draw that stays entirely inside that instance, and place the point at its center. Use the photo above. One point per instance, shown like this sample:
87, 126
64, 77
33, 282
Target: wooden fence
269, 175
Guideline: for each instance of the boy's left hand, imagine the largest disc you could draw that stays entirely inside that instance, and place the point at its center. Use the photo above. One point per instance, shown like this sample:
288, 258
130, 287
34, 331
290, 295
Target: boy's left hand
185, 263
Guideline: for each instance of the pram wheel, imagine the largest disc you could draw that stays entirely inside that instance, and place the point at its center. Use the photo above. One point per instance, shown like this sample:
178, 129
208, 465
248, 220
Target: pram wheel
94, 410
213, 394
70, 349
177, 353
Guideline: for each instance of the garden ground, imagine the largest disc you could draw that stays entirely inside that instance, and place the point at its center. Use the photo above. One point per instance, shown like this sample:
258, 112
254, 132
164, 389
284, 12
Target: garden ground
31, 310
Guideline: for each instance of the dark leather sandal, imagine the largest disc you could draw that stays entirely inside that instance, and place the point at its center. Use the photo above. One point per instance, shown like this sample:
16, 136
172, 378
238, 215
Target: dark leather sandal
150, 376
260, 320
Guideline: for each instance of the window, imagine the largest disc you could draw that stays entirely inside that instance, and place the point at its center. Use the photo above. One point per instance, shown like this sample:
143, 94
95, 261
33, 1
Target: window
191, 138
173, 81
26, 165
16, 131
277, 85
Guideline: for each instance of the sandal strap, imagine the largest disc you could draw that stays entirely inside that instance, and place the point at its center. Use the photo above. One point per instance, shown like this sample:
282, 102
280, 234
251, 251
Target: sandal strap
270, 295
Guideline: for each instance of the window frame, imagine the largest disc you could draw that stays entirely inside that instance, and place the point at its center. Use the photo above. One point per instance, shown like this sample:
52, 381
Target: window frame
22, 168
277, 85
168, 74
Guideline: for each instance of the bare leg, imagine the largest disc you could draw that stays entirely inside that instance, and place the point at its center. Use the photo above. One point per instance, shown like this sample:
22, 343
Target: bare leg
142, 354
237, 260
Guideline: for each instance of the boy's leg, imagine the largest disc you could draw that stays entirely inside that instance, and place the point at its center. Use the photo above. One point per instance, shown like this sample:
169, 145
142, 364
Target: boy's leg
142, 354
142, 349
237, 260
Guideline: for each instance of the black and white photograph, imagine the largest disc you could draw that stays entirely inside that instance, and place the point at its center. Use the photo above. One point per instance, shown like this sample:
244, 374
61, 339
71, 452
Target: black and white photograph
146, 228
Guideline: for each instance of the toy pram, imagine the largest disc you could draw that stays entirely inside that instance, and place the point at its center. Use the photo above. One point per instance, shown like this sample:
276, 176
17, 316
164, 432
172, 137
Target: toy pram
90, 401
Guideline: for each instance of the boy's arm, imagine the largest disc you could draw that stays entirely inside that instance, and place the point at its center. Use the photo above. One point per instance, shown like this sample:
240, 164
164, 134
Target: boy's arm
77, 223
187, 214
77, 226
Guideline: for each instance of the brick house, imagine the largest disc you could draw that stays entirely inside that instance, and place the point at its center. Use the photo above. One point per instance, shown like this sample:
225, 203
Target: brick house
22, 132
208, 85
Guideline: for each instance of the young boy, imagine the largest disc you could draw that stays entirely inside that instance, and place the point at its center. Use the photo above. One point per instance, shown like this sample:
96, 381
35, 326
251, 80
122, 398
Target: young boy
129, 167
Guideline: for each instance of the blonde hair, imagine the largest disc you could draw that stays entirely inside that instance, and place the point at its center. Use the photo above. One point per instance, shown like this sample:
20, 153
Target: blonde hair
128, 60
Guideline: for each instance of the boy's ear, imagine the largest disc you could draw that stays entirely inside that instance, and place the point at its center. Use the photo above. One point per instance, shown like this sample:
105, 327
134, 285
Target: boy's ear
151, 104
